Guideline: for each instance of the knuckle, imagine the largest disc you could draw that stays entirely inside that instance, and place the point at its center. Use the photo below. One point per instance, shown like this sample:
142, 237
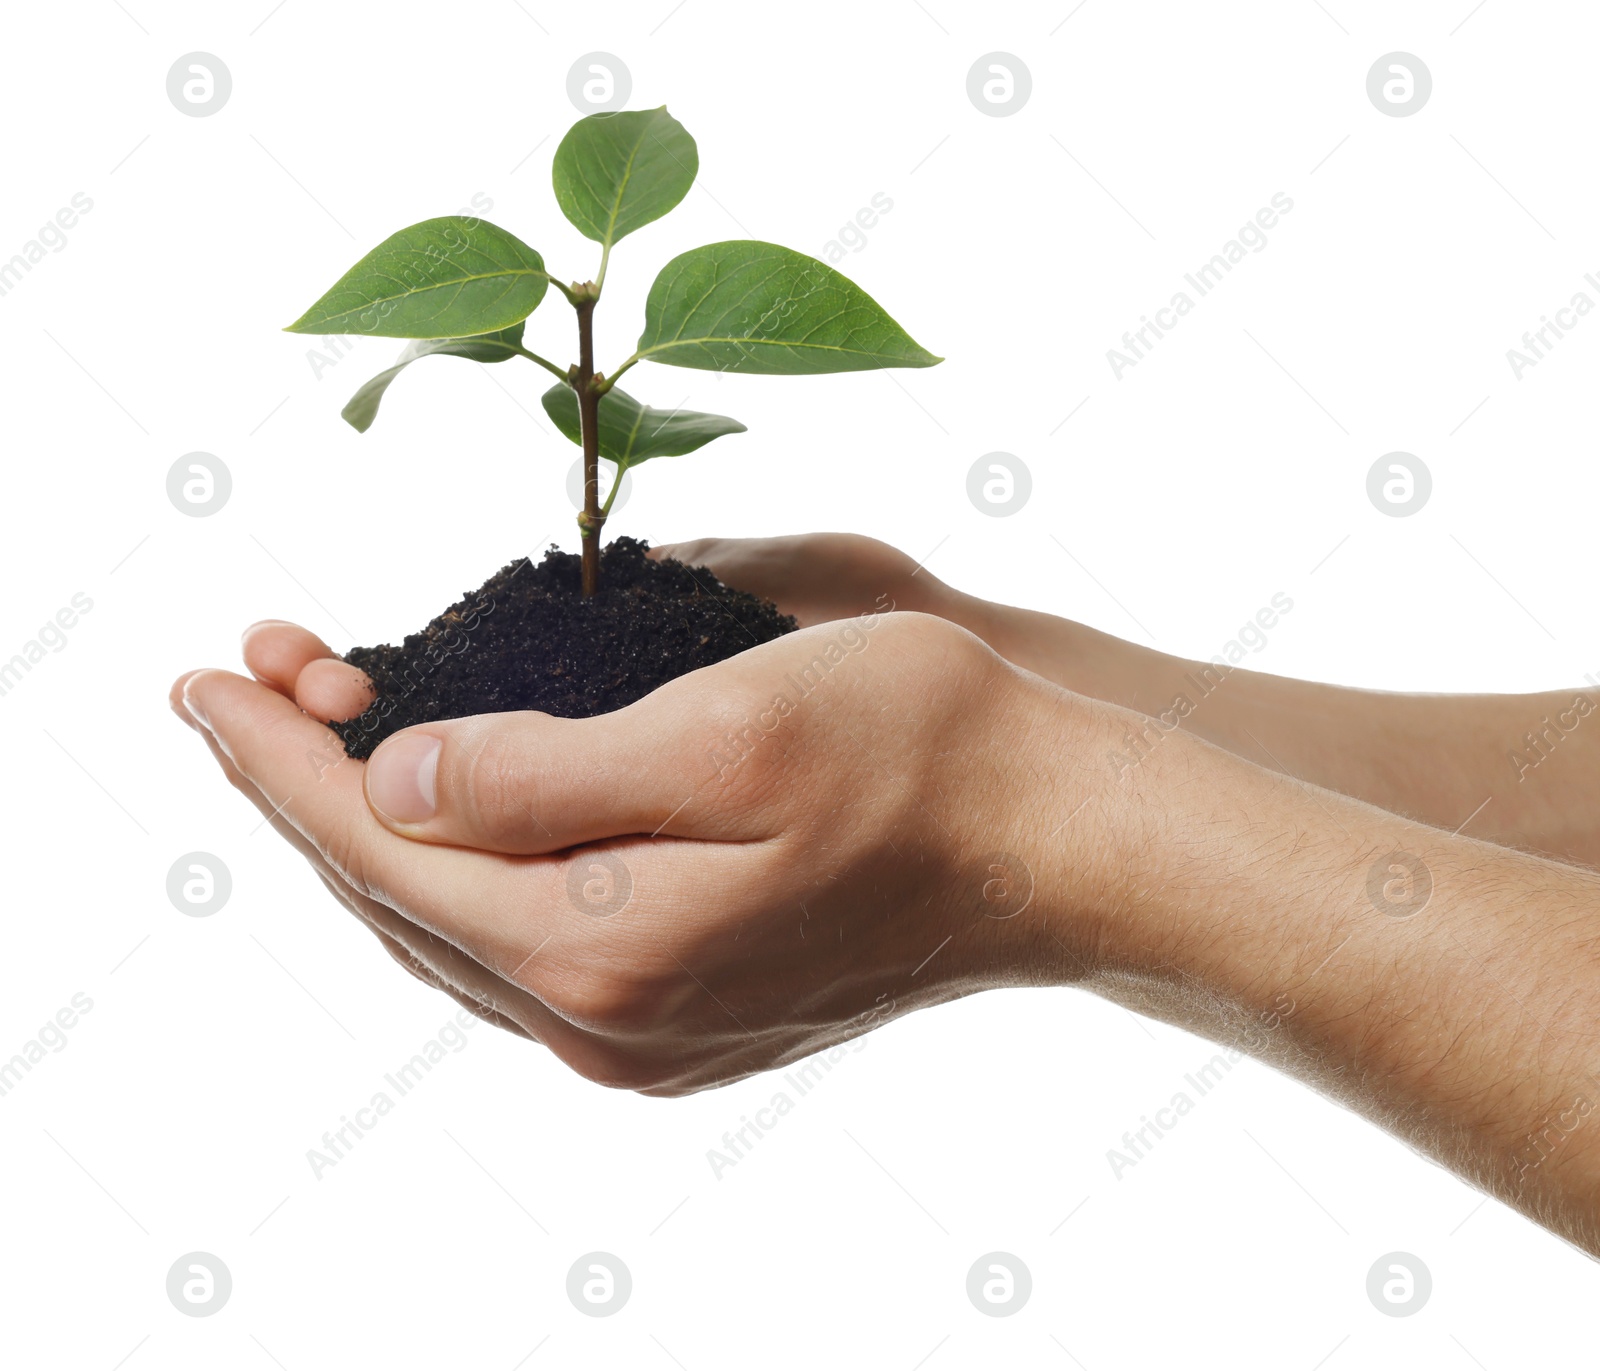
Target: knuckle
618, 1069
486, 1011
670, 1090
404, 957
409, 959
961, 655
339, 890
609, 1003
345, 854
724, 702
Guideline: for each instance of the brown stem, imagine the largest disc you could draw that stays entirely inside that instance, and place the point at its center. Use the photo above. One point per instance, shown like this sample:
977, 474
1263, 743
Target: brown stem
592, 519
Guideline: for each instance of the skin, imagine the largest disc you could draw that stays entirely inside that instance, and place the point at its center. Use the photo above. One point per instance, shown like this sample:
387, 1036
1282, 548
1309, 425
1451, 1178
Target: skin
930, 812
1440, 759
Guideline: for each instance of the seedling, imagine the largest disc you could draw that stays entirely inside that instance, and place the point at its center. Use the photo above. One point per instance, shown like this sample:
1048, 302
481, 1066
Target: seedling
463, 287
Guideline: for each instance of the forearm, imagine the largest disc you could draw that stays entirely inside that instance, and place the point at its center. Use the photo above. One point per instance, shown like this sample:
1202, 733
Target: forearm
1445, 988
1523, 769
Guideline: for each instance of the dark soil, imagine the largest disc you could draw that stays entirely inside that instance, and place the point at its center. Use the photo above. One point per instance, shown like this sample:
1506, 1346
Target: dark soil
527, 639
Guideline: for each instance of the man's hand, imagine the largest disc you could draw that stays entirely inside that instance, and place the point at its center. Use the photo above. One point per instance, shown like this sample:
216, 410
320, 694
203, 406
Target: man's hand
755, 861
820, 577
774, 854
1523, 770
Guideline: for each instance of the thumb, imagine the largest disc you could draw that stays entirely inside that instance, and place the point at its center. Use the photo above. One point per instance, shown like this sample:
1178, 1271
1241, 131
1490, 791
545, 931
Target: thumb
525, 782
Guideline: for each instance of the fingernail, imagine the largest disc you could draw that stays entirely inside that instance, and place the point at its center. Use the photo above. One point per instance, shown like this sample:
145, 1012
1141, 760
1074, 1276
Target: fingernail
261, 624
191, 702
401, 776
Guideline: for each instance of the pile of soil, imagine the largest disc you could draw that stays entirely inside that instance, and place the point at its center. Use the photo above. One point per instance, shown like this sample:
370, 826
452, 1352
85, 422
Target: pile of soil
528, 639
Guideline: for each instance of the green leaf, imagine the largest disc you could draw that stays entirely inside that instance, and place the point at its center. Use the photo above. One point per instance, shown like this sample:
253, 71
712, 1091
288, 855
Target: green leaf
442, 278
630, 432
763, 309
615, 173
487, 347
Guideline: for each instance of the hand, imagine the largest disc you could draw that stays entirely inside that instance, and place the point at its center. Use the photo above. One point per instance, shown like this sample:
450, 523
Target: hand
279, 653
819, 577
1438, 758
756, 861
711, 883
822, 577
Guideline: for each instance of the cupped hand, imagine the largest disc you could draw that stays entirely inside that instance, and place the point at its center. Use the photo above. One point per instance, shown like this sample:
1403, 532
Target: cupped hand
819, 577
822, 577
756, 861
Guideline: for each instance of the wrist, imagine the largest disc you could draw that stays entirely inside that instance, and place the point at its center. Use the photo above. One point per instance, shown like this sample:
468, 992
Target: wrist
1072, 832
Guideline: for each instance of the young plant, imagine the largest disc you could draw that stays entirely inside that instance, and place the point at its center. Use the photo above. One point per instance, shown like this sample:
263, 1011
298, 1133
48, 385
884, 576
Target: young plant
462, 287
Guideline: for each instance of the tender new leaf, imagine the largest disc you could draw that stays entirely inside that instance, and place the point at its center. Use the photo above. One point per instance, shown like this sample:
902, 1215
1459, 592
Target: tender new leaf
764, 309
443, 278
615, 173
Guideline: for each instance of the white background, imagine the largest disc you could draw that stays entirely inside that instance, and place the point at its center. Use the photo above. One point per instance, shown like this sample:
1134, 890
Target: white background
1228, 465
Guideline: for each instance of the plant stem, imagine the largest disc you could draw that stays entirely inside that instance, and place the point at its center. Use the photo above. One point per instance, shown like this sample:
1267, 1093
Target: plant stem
600, 280
551, 367
582, 380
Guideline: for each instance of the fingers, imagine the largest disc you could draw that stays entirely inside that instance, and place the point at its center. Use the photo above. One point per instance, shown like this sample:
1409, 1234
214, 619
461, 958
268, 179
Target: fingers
816, 577
531, 783
477, 924
695, 552
175, 700
297, 663
277, 651
425, 955
423, 971
331, 690
474, 900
